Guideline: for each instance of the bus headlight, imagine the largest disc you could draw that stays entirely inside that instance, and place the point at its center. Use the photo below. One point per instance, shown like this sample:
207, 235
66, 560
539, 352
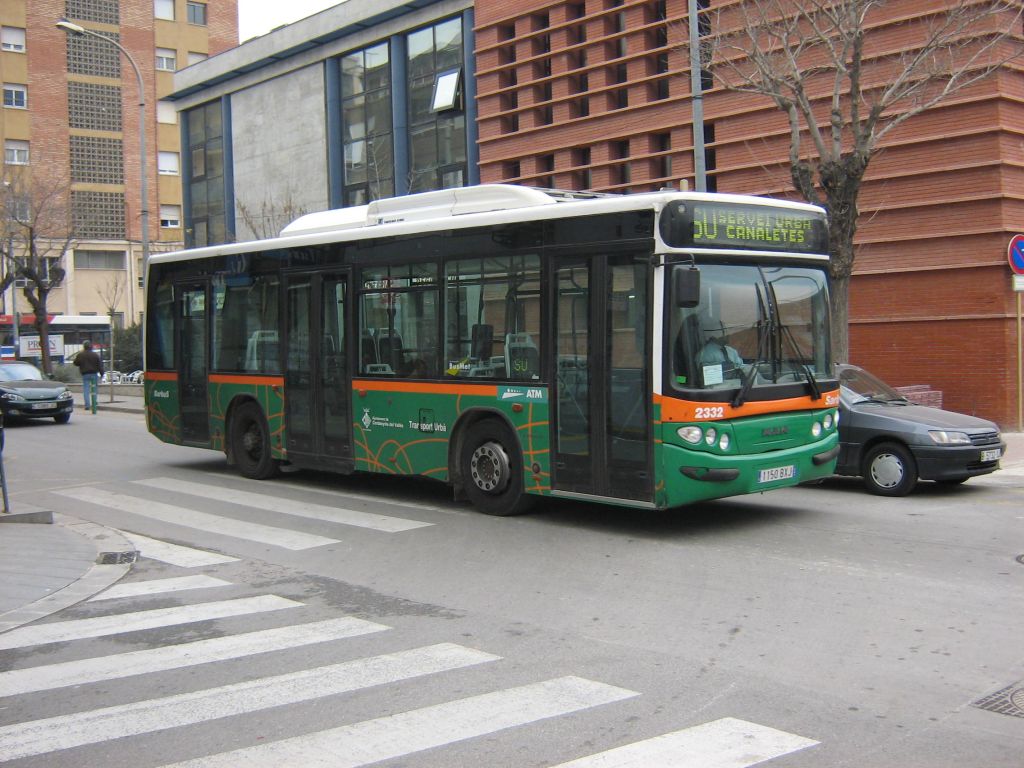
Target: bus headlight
692, 435
816, 429
723, 442
710, 436
827, 421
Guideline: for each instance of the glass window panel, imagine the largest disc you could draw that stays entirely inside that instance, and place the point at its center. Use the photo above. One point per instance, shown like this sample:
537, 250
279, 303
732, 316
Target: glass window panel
379, 161
215, 158
451, 140
352, 74
448, 35
378, 72
424, 148
378, 112
197, 126
355, 162
354, 118
421, 93
214, 122
420, 50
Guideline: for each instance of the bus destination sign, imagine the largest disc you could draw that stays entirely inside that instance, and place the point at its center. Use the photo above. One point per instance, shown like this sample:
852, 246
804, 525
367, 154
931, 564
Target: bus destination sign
722, 224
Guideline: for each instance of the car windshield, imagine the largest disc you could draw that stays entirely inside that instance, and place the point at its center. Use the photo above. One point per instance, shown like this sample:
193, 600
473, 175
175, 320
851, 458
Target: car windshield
19, 372
861, 386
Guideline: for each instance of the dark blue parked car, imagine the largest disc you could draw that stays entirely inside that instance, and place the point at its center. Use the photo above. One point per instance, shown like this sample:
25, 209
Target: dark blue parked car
26, 393
892, 443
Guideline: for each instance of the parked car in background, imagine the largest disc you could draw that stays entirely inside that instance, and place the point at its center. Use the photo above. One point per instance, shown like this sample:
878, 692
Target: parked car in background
892, 443
26, 393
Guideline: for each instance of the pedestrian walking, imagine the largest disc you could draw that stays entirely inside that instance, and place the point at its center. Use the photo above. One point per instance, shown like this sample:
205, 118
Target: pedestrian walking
91, 367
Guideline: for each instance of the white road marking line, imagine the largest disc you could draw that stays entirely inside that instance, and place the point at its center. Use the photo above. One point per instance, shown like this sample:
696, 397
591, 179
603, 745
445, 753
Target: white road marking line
293, 507
175, 554
405, 733
159, 587
725, 743
50, 676
201, 521
51, 734
290, 484
100, 626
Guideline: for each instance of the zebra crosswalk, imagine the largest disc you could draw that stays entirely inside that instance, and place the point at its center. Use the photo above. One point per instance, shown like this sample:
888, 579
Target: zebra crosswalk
445, 714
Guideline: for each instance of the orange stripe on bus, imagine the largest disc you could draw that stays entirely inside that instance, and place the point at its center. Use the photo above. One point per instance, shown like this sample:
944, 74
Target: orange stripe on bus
222, 378
376, 385
161, 376
674, 410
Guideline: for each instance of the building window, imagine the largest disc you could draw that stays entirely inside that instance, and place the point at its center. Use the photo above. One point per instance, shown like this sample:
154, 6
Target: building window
168, 163
98, 215
109, 260
194, 57
94, 107
163, 9
446, 91
437, 140
166, 113
196, 13
206, 222
170, 216
166, 59
96, 160
15, 96
367, 125
12, 39
15, 152
100, 11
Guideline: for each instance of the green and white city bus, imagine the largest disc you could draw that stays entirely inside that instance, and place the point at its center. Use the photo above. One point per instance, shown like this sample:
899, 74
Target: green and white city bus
647, 350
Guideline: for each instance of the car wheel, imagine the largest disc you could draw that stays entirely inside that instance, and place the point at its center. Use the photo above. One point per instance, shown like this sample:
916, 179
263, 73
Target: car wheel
492, 470
62, 418
250, 443
889, 470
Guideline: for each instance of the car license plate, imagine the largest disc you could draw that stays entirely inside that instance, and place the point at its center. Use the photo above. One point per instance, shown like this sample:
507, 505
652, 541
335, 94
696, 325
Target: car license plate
777, 473
43, 406
994, 455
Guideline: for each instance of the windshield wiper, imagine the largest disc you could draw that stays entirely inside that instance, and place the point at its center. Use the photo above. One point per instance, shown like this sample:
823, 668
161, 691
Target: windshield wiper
740, 397
804, 368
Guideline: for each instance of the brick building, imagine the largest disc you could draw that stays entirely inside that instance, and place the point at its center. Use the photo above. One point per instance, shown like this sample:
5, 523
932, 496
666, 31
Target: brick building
71, 110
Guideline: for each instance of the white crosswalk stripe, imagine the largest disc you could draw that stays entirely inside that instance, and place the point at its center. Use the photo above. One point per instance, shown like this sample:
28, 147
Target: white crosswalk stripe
175, 554
165, 658
202, 521
65, 731
285, 506
158, 587
100, 626
393, 736
725, 743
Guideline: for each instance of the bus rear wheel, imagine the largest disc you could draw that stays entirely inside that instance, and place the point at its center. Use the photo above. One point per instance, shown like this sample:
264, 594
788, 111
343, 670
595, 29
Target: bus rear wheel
492, 470
250, 443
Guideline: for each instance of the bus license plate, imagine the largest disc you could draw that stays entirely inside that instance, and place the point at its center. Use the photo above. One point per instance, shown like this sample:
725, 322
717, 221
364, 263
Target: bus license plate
994, 455
43, 406
777, 473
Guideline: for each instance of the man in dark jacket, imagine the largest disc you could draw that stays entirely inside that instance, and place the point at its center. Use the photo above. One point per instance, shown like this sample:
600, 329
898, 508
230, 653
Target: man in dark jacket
91, 367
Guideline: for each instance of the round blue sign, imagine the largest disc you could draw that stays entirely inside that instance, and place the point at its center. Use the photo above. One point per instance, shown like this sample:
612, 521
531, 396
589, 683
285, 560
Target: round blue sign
1016, 254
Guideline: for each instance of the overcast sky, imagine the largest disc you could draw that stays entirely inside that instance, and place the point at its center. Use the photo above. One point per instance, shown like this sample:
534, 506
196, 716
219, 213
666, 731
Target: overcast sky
257, 17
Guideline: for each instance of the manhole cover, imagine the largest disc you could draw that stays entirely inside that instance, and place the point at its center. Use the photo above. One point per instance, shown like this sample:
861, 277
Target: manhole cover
1008, 701
118, 558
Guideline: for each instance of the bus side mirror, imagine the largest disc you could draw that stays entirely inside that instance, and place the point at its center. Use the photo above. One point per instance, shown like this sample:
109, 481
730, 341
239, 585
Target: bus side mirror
686, 286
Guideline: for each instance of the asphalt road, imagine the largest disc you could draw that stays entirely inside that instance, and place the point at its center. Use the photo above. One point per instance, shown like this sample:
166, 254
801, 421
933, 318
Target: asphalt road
814, 626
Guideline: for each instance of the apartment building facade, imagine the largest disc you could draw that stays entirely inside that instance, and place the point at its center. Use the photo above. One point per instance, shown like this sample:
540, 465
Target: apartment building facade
70, 130
596, 95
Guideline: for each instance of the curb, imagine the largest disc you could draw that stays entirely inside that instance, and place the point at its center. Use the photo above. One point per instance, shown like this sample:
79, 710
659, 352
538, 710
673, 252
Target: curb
115, 555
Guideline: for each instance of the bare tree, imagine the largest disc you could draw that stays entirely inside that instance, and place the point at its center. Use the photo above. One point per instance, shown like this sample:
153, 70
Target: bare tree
36, 231
110, 294
270, 216
843, 89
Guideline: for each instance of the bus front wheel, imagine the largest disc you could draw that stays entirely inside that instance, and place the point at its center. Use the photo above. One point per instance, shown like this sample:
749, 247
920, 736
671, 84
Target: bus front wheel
492, 470
250, 443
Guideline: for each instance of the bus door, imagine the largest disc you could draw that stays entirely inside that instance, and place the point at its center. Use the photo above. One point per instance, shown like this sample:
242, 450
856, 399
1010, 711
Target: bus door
194, 338
601, 377
317, 381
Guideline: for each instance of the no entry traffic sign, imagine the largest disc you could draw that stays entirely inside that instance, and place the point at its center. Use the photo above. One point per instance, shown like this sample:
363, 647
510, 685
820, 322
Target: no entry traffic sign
1015, 253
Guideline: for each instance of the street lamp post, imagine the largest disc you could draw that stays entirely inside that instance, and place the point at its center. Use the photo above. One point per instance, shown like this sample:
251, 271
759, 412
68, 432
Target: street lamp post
75, 29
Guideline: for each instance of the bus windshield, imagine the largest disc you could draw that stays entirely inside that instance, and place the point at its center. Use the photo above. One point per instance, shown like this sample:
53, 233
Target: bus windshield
754, 326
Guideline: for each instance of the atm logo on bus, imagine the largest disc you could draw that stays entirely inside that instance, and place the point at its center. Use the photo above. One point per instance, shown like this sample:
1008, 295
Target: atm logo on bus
522, 393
